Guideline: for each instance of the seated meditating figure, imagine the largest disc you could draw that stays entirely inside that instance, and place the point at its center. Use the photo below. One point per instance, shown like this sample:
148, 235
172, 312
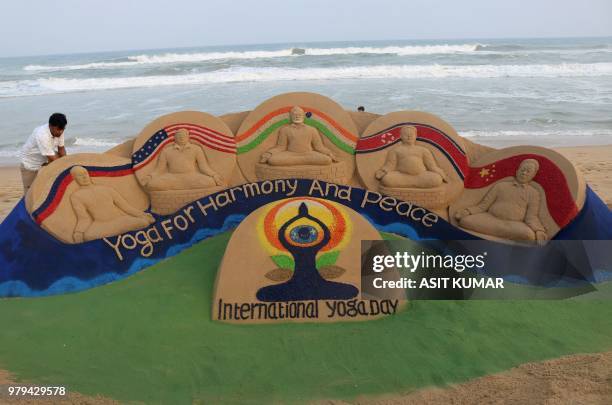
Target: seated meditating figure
410, 165
298, 144
101, 211
182, 166
510, 209
304, 236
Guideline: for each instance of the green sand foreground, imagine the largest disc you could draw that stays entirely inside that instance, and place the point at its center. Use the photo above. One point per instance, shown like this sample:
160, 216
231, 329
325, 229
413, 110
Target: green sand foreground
150, 338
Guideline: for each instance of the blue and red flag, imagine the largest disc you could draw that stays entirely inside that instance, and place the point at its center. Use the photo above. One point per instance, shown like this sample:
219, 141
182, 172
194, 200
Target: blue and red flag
425, 133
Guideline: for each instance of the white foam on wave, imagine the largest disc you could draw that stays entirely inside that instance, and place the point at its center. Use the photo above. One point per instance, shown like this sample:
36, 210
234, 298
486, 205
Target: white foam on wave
530, 49
170, 58
208, 56
527, 133
273, 74
10, 153
93, 65
397, 50
94, 142
74, 145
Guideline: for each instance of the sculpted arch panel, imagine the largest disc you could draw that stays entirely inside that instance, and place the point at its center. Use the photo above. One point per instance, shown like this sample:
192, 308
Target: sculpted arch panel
412, 156
183, 156
522, 193
297, 135
88, 196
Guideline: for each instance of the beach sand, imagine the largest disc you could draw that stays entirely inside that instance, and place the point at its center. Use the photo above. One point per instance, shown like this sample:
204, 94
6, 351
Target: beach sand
574, 379
11, 189
594, 162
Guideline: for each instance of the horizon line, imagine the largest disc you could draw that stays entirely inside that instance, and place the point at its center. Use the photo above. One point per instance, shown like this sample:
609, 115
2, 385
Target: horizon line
297, 43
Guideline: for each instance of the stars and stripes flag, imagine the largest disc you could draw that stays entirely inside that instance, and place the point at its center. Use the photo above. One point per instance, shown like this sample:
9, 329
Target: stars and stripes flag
165, 136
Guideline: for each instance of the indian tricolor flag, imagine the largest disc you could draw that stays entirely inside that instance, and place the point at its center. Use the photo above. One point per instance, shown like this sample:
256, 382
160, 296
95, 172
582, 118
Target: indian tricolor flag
165, 136
262, 129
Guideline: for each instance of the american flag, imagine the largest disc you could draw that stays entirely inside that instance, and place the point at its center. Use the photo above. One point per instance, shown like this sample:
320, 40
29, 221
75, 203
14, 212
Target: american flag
198, 134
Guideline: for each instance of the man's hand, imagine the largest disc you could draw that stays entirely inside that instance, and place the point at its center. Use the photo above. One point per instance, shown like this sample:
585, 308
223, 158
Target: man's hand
444, 176
147, 179
79, 237
149, 217
218, 179
333, 157
462, 214
541, 237
61, 151
264, 157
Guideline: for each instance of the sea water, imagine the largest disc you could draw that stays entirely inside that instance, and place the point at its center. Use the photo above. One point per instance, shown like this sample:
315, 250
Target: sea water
499, 92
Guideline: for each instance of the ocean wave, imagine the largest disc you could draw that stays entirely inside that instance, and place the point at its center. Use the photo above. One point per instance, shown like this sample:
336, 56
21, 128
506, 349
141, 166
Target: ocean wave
396, 50
84, 66
406, 50
74, 145
514, 48
527, 133
500, 48
272, 74
92, 142
10, 152
175, 58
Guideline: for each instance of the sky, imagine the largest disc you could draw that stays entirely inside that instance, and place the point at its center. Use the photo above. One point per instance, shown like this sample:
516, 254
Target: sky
41, 27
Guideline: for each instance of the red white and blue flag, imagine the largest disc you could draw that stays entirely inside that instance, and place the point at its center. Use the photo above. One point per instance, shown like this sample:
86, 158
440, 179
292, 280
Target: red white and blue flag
199, 134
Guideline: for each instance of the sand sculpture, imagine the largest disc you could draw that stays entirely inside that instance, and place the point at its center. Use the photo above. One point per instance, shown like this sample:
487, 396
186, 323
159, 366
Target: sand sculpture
523, 193
101, 211
50, 202
304, 235
181, 157
298, 144
297, 135
510, 209
182, 166
413, 156
410, 165
304, 265
513, 194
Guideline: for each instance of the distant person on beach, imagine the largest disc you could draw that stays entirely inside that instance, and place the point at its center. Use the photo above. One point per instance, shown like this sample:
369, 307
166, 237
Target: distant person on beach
45, 145
361, 108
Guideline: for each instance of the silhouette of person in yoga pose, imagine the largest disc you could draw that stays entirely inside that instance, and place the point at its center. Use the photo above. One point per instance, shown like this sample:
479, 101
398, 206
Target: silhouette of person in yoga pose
303, 236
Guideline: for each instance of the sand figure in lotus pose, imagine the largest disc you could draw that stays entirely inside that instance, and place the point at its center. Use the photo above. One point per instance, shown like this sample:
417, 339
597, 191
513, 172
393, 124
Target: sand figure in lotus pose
182, 166
304, 236
410, 165
510, 209
298, 144
101, 211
